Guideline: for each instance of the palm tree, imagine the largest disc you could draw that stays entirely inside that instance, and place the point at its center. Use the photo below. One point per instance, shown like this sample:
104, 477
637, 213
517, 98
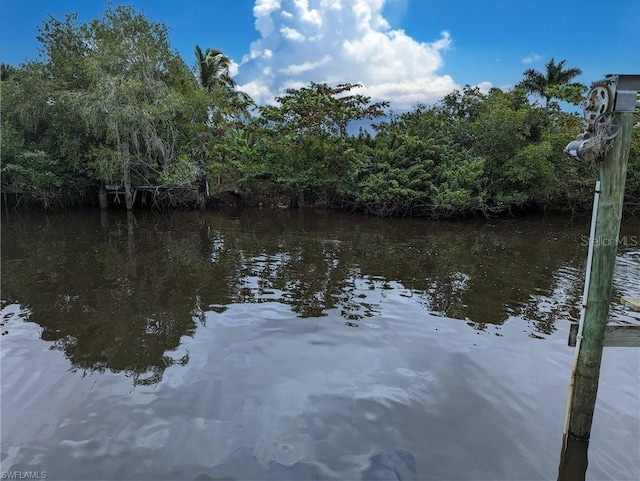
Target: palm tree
212, 69
6, 71
212, 72
538, 83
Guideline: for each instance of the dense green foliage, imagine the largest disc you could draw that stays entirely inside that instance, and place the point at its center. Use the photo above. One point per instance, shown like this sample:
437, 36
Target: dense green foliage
110, 102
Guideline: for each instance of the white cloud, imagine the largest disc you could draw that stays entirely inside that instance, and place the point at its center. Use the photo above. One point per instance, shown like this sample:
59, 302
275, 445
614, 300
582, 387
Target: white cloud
292, 34
308, 15
306, 66
257, 90
262, 11
233, 68
534, 57
337, 41
485, 87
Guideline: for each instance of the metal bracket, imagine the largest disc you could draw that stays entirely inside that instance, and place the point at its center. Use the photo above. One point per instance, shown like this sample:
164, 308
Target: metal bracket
626, 82
626, 88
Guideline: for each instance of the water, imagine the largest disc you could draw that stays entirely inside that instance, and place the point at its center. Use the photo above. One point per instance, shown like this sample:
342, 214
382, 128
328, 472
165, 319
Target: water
264, 344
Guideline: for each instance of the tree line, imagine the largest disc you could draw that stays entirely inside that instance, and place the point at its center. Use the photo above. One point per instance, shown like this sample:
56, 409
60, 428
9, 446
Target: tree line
110, 103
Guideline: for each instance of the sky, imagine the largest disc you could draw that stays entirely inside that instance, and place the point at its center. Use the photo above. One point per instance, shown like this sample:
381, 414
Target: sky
403, 51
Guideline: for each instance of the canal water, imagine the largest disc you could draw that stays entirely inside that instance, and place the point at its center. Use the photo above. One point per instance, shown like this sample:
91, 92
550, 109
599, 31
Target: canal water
276, 344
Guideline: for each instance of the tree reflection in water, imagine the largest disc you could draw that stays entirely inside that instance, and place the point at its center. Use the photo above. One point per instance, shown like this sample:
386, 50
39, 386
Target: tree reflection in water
118, 293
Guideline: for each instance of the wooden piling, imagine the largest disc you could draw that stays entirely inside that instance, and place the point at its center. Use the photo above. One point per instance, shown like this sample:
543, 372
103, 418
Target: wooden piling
573, 466
582, 396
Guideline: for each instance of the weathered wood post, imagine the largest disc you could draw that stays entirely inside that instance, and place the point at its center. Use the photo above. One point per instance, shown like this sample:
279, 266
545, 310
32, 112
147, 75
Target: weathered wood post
126, 167
613, 101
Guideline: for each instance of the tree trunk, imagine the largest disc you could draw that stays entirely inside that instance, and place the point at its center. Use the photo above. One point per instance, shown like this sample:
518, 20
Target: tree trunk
102, 197
202, 193
126, 166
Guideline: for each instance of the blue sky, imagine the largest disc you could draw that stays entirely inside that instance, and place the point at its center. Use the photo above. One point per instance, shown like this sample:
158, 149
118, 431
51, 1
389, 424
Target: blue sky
405, 51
